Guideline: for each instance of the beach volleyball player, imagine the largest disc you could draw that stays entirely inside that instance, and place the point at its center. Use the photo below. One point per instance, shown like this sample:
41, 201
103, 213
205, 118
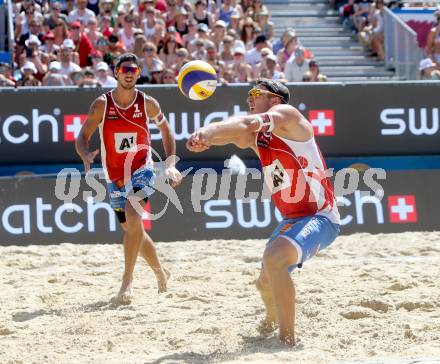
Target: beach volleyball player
122, 116
294, 172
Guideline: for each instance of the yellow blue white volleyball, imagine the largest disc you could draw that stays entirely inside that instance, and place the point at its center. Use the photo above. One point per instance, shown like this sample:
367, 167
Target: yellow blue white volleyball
197, 80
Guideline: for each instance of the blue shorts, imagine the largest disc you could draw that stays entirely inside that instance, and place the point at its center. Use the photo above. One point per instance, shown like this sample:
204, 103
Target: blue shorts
141, 180
308, 234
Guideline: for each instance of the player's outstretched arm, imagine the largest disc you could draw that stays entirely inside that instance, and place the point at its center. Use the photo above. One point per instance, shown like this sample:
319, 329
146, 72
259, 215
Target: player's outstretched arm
169, 143
92, 122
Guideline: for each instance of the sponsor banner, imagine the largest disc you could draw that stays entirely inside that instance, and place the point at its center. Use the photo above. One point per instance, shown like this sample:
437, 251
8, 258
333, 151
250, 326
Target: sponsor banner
30, 213
420, 20
40, 126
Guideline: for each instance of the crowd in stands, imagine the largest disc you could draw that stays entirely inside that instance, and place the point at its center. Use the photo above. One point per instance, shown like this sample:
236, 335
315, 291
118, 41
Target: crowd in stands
366, 19
67, 42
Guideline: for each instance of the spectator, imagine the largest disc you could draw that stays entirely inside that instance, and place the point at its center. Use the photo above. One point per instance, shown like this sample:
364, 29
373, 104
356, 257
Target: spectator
92, 32
226, 55
6, 78
169, 15
235, 22
23, 20
77, 78
168, 53
103, 77
265, 25
242, 71
51, 19
296, 66
153, 27
68, 43
81, 43
96, 56
199, 50
27, 70
172, 32
201, 15
49, 48
105, 25
54, 78
156, 74
139, 43
182, 58
225, 11
289, 42
88, 79
192, 33
257, 7
126, 34
81, 13
247, 33
213, 59
315, 73
433, 41
29, 81
253, 57
377, 39
219, 33
106, 9
428, 71
362, 9
114, 47
61, 32
180, 18
35, 29
66, 59
270, 70
202, 35
150, 61
168, 77
33, 54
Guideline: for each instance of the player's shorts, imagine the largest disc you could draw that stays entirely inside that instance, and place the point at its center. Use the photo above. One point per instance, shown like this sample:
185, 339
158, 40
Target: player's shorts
308, 234
141, 180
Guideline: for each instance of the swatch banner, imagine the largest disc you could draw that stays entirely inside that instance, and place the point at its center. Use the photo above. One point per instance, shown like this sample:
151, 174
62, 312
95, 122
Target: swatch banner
207, 206
40, 126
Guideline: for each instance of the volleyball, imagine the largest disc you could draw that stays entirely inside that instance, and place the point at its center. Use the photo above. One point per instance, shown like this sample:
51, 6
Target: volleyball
197, 80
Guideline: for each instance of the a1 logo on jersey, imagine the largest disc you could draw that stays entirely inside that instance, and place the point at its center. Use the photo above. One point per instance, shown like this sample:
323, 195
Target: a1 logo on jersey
402, 208
72, 126
125, 142
323, 122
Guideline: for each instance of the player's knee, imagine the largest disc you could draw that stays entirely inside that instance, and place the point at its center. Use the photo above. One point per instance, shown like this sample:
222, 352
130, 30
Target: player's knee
279, 255
132, 222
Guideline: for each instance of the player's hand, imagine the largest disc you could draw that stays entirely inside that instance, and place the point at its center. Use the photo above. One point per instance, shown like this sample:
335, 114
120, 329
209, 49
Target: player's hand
198, 141
88, 159
174, 175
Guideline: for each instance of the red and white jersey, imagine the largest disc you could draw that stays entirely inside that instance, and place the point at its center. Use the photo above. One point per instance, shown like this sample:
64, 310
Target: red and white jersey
125, 137
295, 175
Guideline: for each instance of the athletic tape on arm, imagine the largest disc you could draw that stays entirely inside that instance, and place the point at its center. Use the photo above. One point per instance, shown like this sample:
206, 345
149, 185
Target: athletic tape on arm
266, 122
158, 118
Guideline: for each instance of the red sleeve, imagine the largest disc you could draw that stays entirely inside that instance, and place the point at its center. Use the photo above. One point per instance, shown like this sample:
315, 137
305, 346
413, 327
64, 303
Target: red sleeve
84, 49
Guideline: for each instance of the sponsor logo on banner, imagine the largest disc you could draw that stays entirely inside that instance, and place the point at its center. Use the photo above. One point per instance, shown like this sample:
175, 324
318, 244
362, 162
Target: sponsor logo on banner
423, 121
402, 209
323, 122
72, 126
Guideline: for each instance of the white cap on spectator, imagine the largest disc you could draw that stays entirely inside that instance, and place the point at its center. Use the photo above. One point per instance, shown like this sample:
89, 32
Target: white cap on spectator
272, 57
239, 49
29, 66
102, 66
33, 39
426, 63
54, 66
68, 43
220, 23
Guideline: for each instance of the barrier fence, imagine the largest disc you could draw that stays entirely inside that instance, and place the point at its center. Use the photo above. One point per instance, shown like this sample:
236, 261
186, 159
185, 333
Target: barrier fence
40, 126
31, 213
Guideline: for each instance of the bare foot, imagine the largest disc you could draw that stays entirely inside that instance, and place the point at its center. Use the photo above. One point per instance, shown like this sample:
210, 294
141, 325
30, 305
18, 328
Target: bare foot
267, 326
125, 295
288, 340
162, 276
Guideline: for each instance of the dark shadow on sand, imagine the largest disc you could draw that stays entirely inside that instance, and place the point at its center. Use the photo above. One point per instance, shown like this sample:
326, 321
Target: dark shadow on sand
250, 345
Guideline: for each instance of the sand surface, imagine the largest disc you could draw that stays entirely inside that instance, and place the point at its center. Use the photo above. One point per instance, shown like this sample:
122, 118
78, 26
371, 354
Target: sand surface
368, 298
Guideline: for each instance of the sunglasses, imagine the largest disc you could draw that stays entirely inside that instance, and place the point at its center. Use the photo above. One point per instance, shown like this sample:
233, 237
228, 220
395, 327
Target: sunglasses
128, 69
256, 92
148, 50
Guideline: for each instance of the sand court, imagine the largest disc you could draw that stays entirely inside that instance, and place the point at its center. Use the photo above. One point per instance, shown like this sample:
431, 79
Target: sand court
368, 298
